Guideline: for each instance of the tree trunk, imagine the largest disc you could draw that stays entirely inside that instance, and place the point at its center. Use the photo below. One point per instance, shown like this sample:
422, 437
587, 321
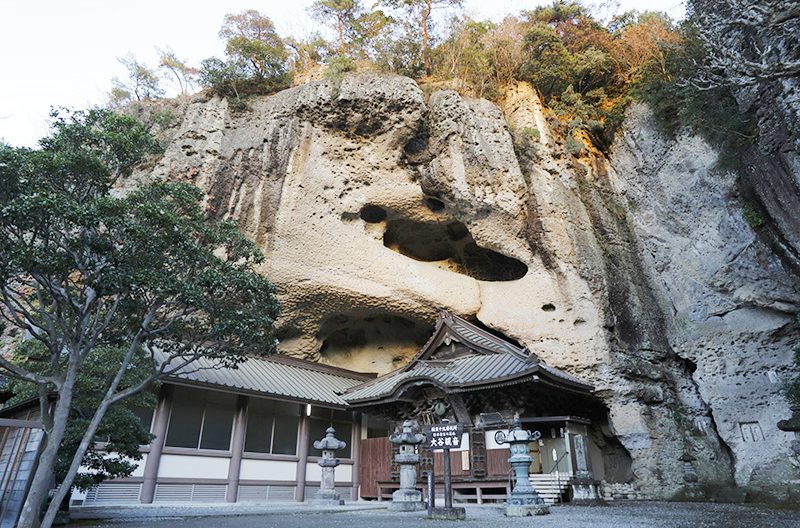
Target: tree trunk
66, 484
341, 36
42, 478
425, 58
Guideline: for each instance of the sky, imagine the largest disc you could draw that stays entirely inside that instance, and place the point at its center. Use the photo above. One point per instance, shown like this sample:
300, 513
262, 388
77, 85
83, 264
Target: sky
56, 53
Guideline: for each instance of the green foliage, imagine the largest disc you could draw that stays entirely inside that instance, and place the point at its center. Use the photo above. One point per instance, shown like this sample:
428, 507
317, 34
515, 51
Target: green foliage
417, 15
121, 431
183, 73
558, 11
140, 283
549, 65
256, 58
398, 49
586, 72
341, 16
337, 65
141, 84
752, 216
679, 103
531, 133
575, 146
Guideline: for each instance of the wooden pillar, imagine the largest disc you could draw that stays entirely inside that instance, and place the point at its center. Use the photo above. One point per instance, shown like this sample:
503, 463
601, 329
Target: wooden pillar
237, 448
355, 452
302, 458
160, 421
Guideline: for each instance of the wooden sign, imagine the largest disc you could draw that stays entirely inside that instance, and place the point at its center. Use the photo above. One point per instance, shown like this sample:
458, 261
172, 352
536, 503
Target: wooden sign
444, 435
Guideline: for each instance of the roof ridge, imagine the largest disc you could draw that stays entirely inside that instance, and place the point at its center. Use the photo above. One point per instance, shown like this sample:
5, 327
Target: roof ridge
315, 366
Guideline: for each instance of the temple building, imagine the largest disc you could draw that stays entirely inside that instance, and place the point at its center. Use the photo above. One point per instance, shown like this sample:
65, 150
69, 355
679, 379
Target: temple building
246, 434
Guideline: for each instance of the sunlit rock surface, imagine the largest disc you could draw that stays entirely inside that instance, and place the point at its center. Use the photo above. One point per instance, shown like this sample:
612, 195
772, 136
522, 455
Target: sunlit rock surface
378, 206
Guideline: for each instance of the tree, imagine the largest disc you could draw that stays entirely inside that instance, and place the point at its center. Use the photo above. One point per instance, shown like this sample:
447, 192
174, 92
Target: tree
341, 15
251, 37
306, 52
646, 40
142, 83
465, 55
143, 281
421, 11
549, 65
257, 57
183, 73
120, 433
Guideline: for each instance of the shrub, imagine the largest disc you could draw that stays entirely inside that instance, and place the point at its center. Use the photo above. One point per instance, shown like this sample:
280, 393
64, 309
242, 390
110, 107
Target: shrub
339, 65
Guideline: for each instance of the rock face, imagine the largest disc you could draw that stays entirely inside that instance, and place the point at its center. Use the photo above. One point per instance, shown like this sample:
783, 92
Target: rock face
765, 34
377, 207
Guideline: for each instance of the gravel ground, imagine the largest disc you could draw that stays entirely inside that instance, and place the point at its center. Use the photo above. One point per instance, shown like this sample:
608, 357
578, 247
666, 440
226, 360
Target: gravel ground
616, 515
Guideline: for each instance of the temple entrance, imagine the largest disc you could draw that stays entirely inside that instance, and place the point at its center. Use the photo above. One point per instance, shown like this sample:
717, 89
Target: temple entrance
476, 379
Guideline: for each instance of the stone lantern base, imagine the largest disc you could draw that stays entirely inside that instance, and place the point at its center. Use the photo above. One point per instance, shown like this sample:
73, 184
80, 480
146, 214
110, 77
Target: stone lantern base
449, 514
405, 500
524, 506
586, 491
327, 498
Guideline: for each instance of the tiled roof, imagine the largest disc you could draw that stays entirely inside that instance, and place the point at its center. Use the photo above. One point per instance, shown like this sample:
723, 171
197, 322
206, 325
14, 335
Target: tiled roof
278, 376
493, 361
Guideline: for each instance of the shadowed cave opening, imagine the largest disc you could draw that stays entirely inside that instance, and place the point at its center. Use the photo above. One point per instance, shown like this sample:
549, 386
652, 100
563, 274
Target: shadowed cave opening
451, 243
371, 342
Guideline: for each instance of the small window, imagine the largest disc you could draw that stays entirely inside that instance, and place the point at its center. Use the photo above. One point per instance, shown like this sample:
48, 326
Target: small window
217, 424
201, 419
272, 427
145, 415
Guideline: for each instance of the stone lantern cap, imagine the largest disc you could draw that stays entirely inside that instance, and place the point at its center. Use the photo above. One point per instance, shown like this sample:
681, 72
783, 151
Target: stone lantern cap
517, 434
407, 436
330, 442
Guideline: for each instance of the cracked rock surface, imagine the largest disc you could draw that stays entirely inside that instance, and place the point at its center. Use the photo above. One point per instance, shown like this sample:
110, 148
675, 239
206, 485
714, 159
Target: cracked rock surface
377, 206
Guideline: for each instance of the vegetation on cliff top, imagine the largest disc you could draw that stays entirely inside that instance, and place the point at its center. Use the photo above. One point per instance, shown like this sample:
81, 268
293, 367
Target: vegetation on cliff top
587, 71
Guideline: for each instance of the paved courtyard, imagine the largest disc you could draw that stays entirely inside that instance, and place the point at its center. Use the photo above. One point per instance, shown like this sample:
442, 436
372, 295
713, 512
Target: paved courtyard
616, 515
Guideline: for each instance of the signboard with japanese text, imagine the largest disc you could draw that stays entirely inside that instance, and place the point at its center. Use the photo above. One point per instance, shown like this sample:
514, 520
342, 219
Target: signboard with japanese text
444, 435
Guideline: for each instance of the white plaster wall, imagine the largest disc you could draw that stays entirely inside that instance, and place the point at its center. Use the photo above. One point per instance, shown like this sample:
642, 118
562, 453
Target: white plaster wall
139, 471
188, 466
344, 472
268, 470
490, 443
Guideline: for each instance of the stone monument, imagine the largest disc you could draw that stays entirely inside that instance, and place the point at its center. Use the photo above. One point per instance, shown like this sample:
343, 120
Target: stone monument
327, 496
408, 497
585, 489
524, 500
692, 489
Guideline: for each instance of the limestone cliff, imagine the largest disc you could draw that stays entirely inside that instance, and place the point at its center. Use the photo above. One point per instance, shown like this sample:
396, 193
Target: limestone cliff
377, 207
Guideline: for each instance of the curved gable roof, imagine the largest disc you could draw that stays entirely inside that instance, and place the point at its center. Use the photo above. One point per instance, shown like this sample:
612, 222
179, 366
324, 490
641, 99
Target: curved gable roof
491, 361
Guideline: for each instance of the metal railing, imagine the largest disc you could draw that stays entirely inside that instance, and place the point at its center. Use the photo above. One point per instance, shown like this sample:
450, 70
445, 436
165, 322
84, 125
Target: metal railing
558, 475
512, 476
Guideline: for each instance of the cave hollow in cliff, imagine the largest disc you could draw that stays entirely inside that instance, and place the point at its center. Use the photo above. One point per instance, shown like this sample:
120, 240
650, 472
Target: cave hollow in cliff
452, 244
371, 341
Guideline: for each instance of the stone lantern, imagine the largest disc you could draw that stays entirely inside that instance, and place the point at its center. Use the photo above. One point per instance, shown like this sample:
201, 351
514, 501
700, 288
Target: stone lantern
408, 497
327, 496
524, 500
